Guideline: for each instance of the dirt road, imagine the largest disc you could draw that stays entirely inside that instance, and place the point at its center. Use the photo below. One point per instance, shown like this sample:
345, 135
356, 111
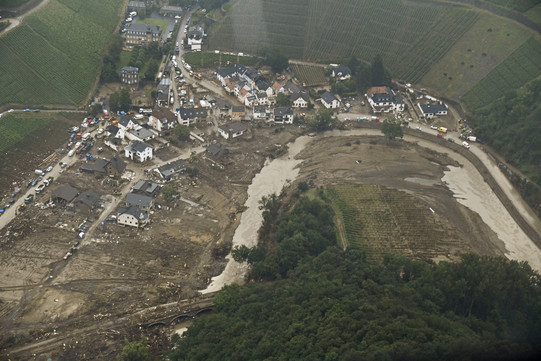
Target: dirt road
14, 22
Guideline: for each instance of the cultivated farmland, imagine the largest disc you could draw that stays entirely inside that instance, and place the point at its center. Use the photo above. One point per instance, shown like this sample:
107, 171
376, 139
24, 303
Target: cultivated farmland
410, 38
53, 57
14, 129
211, 59
518, 68
382, 220
309, 75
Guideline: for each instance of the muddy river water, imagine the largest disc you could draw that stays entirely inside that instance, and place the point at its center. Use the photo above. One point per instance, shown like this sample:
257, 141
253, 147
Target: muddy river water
465, 182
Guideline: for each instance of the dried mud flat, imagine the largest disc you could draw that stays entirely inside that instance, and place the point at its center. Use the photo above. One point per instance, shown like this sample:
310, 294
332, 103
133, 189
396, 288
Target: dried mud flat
120, 271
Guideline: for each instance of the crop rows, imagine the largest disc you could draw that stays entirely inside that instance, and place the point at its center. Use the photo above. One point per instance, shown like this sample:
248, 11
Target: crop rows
309, 75
53, 58
518, 68
410, 39
382, 220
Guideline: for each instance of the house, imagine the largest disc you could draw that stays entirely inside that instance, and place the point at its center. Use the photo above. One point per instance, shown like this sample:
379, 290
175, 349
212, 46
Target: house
341, 73
132, 216
195, 37
262, 98
129, 75
137, 6
217, 150
146, 188
86, 201
238, 112
97, 166
283, 115
250, 101
263, 86
383, 99
261, 112
138, 151
232, 130
293, 88
64, 194
169, 10
277, 88
162, 120
172, 169
188, 116
142, 34
329, 101
141, 134
126, 123
431, 110
116, 167
163, 92
139, 200
115, 132
300, 100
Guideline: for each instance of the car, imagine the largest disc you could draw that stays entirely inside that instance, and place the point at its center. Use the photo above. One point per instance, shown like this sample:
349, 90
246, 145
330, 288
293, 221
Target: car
36, 110
11, 110
433, 127
418, 128
28, 184
67, 255
100, 131
2, 210
35, 181
62, 164
49, 168
40, 188
451, 140
11, 202
81, 235
76, 244
26, 110
466, 145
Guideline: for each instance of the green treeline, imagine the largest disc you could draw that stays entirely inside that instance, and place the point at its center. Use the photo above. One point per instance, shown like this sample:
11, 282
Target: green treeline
512, 126
329, 304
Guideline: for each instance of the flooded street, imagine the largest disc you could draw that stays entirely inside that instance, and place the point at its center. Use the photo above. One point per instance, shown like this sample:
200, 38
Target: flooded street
471, 191
465, 182
271, 179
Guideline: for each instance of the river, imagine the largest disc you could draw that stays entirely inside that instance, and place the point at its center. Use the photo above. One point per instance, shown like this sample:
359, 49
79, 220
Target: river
465, 182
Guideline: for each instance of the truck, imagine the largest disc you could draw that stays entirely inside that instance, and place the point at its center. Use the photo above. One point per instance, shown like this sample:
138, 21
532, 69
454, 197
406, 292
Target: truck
48, 181
29, 199
40, 188
442, 130
39, 172
85, 136
471, 138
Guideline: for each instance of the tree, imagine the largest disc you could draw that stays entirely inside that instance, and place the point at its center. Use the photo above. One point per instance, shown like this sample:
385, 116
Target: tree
392, 129
168, 192
182, 132
151, 70
378, 74
153, 49
192, 171
120, 100
96, 109
322, 121
283, 100
276, 59
136, 351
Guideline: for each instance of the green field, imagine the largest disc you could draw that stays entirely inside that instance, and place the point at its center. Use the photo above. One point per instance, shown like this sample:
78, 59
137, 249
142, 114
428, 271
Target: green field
211, 59
54, 56
309, 75
484, 46
534, 14
409, 37
517, 69
15, 128
381, 220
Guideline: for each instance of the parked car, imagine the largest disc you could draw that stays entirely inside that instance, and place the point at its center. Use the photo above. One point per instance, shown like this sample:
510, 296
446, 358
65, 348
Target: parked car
11, 110
26, 110
40, 188
451, 140
81, 235
34, 182
49, 168
466, 145
433, 127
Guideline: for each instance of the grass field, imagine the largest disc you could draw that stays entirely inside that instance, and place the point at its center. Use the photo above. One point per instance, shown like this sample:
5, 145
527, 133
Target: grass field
410, 38
480, 49
15, 128
211, 59
534, 14
381, 220
517, 69
309, 75
53, 57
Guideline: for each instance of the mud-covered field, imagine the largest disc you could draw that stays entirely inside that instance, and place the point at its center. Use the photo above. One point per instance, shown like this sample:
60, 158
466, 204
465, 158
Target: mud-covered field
86, 301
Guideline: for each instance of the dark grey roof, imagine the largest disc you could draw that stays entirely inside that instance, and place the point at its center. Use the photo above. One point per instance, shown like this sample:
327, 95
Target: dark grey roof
138, 146
298, 95
88, 198
134, 211
382, 98
226, 72
118, 164
262, 85
238, 109
146, 186
136, 29
113, 129
142, 133
341, 71
125, 120
260, 109
433, 108
134, 199
169, 169
66, 193
191, 113
217, 150
98, 165
292, 87
234, 127
282, 111
328, 97
129, 69
222, 104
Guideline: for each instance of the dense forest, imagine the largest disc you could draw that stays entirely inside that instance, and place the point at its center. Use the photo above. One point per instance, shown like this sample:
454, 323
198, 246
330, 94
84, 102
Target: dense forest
330, 304
512, 126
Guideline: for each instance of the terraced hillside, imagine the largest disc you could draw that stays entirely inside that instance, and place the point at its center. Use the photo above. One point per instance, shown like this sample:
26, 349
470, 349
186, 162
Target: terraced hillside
54, 55
409, 37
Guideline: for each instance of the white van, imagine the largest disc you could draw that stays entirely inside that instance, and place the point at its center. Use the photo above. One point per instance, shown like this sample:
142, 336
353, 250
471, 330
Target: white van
39, 172
133, 14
